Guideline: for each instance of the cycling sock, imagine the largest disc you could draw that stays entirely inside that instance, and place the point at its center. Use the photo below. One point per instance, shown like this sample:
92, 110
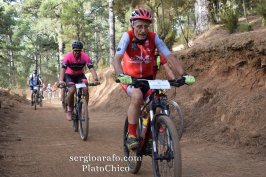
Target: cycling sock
69, 109
150, 135
132, 129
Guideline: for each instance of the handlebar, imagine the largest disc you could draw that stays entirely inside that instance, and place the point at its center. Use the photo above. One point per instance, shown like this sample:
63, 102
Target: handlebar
64, 86
142, 82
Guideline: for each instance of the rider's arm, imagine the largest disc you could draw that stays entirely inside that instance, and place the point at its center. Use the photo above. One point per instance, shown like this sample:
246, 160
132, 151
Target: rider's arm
169, 71
89, 64
169, 56
176, 64
94, 74
121, 48
117, 64
62, 74
40, 81
63, 69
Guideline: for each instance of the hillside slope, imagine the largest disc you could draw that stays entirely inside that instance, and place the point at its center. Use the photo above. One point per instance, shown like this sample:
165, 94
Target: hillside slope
229, 100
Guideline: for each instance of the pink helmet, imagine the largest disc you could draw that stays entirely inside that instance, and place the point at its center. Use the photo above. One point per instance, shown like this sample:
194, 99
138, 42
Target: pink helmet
141, 14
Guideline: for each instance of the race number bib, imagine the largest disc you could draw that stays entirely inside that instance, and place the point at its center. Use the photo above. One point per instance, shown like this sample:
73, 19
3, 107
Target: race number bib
159, 84
80, 85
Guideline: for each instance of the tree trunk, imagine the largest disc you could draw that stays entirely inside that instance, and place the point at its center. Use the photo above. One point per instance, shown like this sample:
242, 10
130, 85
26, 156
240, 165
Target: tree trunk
111, 32
245, 12
12, 77
163, 24
60, 45
201, 14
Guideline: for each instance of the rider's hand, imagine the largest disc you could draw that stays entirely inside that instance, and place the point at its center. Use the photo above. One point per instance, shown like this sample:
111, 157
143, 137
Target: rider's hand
124, 79
96, 82
63, 83
189, 80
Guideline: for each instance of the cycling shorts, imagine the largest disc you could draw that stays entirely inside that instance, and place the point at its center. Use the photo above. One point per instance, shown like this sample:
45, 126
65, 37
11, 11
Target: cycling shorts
74, 79
146, 91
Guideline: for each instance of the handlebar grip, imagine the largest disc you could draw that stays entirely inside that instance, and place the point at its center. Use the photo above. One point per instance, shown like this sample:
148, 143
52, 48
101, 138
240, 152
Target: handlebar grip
60, 85
91, 84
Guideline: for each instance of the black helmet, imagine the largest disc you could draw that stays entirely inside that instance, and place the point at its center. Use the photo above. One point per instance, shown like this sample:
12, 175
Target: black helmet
77, 45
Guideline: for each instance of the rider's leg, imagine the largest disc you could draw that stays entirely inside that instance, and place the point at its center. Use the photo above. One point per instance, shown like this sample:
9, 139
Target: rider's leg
72, 91
83, 79
70, 107
133, 114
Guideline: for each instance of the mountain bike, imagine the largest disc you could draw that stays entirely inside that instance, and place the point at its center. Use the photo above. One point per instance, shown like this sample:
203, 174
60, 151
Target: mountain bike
36, 97
165, 151
80, 116
49, 95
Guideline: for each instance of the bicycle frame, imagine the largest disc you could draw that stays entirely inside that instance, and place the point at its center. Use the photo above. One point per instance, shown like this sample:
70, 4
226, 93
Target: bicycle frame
78, 95
153, 102
35, 95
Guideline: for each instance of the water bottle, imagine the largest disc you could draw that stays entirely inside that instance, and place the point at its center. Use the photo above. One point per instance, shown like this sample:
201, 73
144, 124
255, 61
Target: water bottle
144, 126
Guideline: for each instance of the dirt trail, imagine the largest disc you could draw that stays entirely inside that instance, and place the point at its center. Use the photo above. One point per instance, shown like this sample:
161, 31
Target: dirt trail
42, 143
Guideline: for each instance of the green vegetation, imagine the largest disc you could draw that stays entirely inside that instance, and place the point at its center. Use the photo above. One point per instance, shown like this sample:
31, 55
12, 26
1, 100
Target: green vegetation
229, 17
261, 10
34, 31
244, 27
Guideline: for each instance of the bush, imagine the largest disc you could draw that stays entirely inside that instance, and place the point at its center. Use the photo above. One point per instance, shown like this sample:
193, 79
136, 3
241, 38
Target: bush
244, 27
229, 17
170, 39
261, 10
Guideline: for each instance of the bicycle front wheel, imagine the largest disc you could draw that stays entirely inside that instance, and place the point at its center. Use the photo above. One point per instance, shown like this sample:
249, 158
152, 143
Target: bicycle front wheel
40, 100
35, 98
177, 117
167, 160
83, 119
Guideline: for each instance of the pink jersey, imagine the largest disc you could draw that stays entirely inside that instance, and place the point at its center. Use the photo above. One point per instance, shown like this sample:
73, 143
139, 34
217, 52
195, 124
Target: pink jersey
76, 66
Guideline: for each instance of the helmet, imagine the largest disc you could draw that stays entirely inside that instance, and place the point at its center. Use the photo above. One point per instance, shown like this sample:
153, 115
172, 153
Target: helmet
77, 45
35, 71
141, 14
49, 85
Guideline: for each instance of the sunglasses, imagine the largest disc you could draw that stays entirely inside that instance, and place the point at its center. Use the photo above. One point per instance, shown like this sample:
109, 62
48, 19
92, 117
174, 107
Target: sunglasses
77, 50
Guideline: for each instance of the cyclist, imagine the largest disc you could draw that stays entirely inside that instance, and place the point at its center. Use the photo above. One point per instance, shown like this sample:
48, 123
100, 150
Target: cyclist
55, 88
136, 50
49, 91
73, 70
35, 80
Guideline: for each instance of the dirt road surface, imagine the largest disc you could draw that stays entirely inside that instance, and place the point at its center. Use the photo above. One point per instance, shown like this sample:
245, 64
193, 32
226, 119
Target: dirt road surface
42, 143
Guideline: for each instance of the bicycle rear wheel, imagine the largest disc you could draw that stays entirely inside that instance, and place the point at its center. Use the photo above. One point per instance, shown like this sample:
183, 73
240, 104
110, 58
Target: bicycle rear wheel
83, 119
75, 124
134, 158
40, 100
177, 117
167, 160
35, 101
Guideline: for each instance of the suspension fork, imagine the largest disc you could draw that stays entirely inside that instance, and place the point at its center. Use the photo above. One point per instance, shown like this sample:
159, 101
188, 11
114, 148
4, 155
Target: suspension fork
152, 121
